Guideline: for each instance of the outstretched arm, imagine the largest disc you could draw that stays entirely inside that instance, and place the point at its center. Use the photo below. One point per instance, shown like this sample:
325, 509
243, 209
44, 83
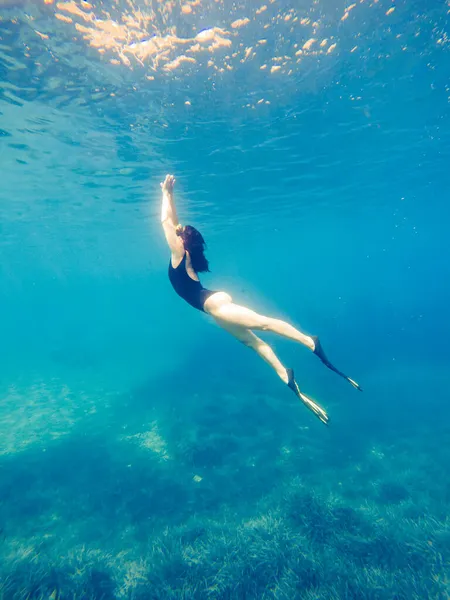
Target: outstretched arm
168, 212
169, 218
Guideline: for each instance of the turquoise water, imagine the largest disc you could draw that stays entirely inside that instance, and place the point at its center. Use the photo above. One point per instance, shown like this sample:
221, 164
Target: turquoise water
144, 453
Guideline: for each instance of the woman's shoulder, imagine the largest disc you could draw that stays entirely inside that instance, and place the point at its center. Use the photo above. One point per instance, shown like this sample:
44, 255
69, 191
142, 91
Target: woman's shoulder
176, 259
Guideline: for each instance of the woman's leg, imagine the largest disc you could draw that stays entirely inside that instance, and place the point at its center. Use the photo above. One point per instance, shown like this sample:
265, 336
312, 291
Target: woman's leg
222, 308
263, 349
248, 338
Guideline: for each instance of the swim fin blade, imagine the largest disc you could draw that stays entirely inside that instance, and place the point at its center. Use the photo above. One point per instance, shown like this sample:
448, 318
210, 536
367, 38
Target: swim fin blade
313, 406
354, 384
318, 351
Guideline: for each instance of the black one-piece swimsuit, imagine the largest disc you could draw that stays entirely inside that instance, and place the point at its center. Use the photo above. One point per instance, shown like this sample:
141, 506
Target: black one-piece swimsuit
189, 289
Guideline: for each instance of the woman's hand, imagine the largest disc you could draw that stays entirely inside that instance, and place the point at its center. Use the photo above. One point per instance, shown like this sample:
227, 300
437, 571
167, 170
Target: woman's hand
168, 183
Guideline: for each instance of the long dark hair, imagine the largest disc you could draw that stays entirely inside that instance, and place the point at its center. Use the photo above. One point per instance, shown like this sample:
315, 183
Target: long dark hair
195, 244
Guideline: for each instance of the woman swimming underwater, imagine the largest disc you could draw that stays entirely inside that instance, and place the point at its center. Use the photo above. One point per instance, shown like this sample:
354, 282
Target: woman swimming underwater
188, 259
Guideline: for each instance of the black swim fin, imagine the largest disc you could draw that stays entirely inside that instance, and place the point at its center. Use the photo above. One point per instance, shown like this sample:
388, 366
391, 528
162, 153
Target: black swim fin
318, 351
313, 406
